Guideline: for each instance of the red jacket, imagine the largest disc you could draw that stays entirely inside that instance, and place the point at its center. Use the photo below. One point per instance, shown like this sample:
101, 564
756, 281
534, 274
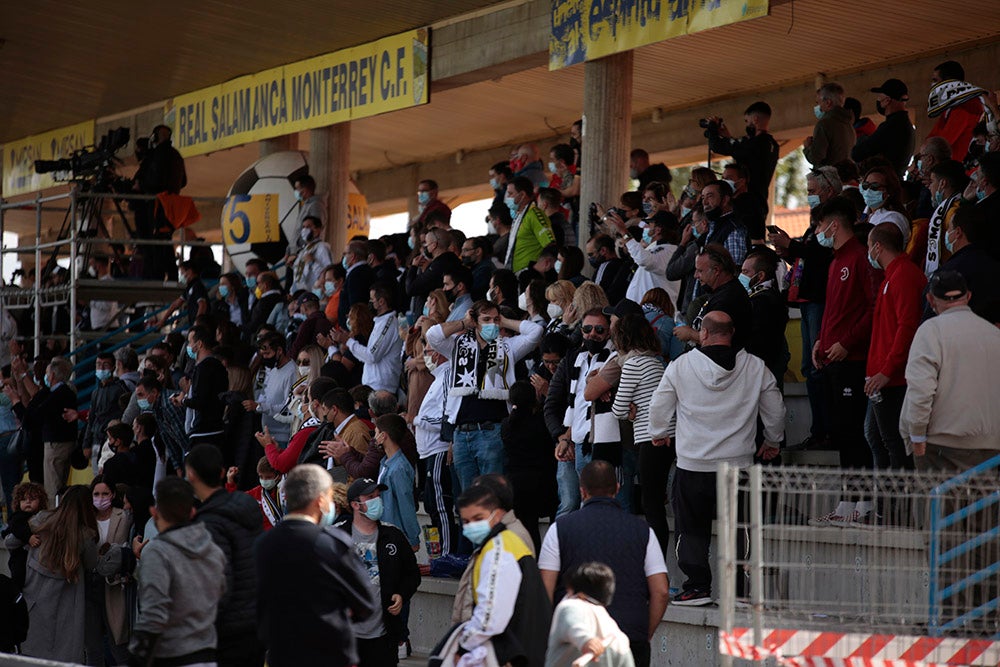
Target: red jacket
285, 459
898, 309
850, 301
956, 125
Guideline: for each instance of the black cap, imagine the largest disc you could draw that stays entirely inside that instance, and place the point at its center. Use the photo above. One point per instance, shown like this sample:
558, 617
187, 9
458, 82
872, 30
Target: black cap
948, 285
623, 308
306, 297
363, 487
895, 89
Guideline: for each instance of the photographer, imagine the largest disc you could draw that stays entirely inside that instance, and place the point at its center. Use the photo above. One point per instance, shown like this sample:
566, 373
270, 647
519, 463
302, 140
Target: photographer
161, 170
758, 150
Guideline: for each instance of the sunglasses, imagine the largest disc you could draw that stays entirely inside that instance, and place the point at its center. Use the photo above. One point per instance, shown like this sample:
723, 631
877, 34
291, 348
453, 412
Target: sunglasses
596, 328
302, 362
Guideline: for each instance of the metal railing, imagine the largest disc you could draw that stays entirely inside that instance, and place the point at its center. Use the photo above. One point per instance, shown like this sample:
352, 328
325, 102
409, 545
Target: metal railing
924, 561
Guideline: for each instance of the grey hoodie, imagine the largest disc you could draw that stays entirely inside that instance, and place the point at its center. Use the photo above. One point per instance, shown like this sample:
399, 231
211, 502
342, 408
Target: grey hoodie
181, 580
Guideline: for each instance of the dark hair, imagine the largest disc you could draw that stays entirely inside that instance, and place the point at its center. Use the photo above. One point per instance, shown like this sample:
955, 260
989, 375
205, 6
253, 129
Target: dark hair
206, 462
99, 479
842, 209
377, 249
595, 580
258, 262
596, 312
847, 170
306, 181
523, 184
764, 259
893, 198
634, 333
174, 499
632, 199
536, 293
320, 387
572, 265
555, 343
550, 196
188, 265
313, 219
148, 423
339, 398
762, 108
106, 356
120, 431
506, 282
638, 152
429, 182
503, 169
478, 494
200, 334
522, 397
150, 383
739, 168
972, 221
603, 241
953, 172
719, 256
724, 189
951, 70
461, 275
499, 486
383, 291
889, 235
482, 243
563, 152
598, 478
854, 106
393, 426
658, 189
274, 340
482, 306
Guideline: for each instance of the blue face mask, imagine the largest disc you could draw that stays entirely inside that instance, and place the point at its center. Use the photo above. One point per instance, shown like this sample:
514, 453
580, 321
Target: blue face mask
102, 375
424, 198
410, 243
47, 382
813, 200
495, 184
557, 266
329, 287
694, 231
143, 404
875, 264
477, 531
684, 211
824, 240
427, 311
938, 197
318, 292
191, 352
490, 332
744, 280
873, 198
552, 167
647, 208
949, 246
980, 195
920, 165
343, 263
819, 112
511, 205
646, 238
373, 509
329, 516
224, 291
251, 282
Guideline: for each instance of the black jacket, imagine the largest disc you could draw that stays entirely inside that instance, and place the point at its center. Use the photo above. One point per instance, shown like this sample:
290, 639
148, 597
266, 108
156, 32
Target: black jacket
355, 290
50, 414
209, 383
163, 170
310, 451
398, 572
261, 310
233, 519
654, 173
981, 273
767, 331
759, 153
732, 298
421, 283
311, 586
615, 279
103, 408
892, 139
815, 266
990, 206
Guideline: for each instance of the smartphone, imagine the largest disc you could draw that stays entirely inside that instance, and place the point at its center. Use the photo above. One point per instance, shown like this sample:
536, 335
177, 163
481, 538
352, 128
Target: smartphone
772, 229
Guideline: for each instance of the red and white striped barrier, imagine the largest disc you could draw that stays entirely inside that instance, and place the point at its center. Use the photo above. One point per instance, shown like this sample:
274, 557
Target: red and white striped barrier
808, 648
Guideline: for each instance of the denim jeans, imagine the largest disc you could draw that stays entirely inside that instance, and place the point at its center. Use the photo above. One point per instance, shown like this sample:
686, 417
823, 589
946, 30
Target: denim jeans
812, 320
630, 463
477, 453
569, 487
882, 431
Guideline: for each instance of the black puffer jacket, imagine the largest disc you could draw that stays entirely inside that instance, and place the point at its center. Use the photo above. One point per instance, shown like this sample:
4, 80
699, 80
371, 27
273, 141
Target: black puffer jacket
233, 519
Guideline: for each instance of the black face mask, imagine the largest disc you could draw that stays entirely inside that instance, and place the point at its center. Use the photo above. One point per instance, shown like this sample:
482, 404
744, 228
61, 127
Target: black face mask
879, 108
594, 346
714, 214
751, 130
450, 295
269, 362
468, 261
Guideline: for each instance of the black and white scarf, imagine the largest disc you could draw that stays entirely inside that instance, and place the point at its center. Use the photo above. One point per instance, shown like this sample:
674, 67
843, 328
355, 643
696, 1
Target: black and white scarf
935, 228
465, 371
952, 93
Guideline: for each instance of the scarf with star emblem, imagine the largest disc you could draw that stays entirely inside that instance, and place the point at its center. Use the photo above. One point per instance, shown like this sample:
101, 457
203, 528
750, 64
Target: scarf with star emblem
465, 376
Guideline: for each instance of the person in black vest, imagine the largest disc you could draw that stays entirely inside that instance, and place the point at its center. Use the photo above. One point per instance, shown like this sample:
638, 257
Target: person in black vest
602, 531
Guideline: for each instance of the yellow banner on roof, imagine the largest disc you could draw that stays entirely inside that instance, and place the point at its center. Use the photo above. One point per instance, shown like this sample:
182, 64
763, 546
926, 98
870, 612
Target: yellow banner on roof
389, 74
19, 157
589, 29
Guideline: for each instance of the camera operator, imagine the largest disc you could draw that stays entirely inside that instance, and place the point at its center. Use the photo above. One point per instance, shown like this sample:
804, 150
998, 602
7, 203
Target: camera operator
161, 170
757, 150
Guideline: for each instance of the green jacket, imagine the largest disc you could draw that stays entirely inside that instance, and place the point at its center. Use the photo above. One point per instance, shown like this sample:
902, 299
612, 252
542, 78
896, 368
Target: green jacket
534, 234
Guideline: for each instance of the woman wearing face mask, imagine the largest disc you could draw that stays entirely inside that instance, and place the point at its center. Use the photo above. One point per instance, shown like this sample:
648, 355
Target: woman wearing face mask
309, 364
535, 303
883, 197
588, 296
232, 303
436, 306
569, 265
107, 622
418, 373
560, 297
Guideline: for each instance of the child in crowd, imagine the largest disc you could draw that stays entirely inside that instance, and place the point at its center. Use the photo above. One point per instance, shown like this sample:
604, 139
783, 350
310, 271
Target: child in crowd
269, 494
29, 499
581, 623
396, 473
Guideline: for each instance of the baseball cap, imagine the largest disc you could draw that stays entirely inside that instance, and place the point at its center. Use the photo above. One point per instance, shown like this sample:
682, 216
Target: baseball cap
363, 487
895, 89
306, 297
948, 285
623, 308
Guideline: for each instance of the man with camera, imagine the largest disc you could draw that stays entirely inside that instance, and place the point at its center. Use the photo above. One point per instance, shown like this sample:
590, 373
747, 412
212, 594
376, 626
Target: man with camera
757, 150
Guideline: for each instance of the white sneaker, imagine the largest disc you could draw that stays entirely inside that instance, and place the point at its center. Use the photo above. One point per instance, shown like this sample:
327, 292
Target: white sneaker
840, 517
401, 651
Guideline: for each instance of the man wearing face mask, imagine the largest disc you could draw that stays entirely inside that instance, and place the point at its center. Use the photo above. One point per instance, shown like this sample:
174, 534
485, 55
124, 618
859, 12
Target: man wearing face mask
202, 398
566, 409
640, 169
610, 272
769, 311
314, 255
457, 286
427, 270
481, 375
964, 238
392, 570
359, 278
531, 230
948, 181
315, 323
303, 559
757, 150
651, 255
476, 252
104, 406
833, 135
748, 207
987, 185
681, 264
194, 300
724, 227
380, 356
311, 205
151, 398
279, 375
893, 139
500, 176
715, 269
551, 203
429, 205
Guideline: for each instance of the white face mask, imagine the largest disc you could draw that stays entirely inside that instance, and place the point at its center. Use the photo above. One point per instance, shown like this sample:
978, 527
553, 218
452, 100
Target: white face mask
268, 484
554, 310
522, 301
429, 362
303, 370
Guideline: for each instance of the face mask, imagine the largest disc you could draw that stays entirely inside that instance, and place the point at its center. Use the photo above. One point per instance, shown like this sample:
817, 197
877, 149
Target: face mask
329, 516
980, 195
744, 280
874, 262
552, 167
318, 292
182, 279
920, 165
594, 346
819, 112
102, 504
494, 184
143, 404
813, 200
694, 231
714, 214
633, 173
522, 301
450, 295
511, 205
732, 184
343, 263
268, 484
102, 375
303, 370
251, 282
646, 238
873, 198
595, 260
329, 287
191, 353
938, 197
751, 130
557, 266
48, 383
477, 531
490, 332
553, 310
949, 246
429, 362
410, 243
824, 240
423, 198
690, 192
879, 108
306, 234
489, 296
648, 208
299, 317
298, 195
269, 363
468, 261
348, 325
373, 509
427, 311
257, 292
684, 211
224, 291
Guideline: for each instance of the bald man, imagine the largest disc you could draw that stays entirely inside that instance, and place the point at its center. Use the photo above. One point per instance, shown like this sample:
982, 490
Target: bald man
717, 392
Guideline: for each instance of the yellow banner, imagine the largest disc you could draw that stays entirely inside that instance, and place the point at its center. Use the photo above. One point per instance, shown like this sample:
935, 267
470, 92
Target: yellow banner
589, 29
390, 74
358, 218
19, 157
251, 219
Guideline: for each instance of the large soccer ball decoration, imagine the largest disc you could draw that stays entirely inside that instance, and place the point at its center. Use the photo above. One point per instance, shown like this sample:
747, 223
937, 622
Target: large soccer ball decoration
261, 214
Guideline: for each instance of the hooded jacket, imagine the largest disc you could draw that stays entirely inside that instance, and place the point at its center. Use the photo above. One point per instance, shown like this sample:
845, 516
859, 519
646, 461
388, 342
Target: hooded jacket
717, 394
233, 520
833, 138
180, 585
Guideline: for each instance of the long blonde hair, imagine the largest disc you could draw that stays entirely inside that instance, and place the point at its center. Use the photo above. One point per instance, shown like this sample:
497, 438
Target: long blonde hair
64, 532
561, 293
589, 295
240, 380
316, 356
439, 301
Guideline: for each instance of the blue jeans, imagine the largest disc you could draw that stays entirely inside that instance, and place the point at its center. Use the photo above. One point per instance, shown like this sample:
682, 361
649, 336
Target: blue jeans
630, 463
569, 487
812, 320
477, 453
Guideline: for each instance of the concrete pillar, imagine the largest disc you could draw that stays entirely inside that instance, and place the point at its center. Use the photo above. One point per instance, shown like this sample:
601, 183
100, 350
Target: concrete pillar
607, 133
286, 142
329, 164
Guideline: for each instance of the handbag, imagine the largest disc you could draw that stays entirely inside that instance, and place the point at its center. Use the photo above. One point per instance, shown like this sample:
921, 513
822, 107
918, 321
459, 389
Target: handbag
445, 654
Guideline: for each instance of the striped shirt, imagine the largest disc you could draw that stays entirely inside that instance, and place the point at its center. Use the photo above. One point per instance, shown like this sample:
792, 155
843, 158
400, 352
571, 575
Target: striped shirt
641, 375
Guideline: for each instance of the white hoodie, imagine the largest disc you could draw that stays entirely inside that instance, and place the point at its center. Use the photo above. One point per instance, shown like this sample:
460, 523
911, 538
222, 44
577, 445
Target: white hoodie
716, 409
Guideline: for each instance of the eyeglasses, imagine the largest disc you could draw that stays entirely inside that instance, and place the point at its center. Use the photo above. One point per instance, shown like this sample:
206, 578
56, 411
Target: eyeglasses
550, 364
596, 328
872, 186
